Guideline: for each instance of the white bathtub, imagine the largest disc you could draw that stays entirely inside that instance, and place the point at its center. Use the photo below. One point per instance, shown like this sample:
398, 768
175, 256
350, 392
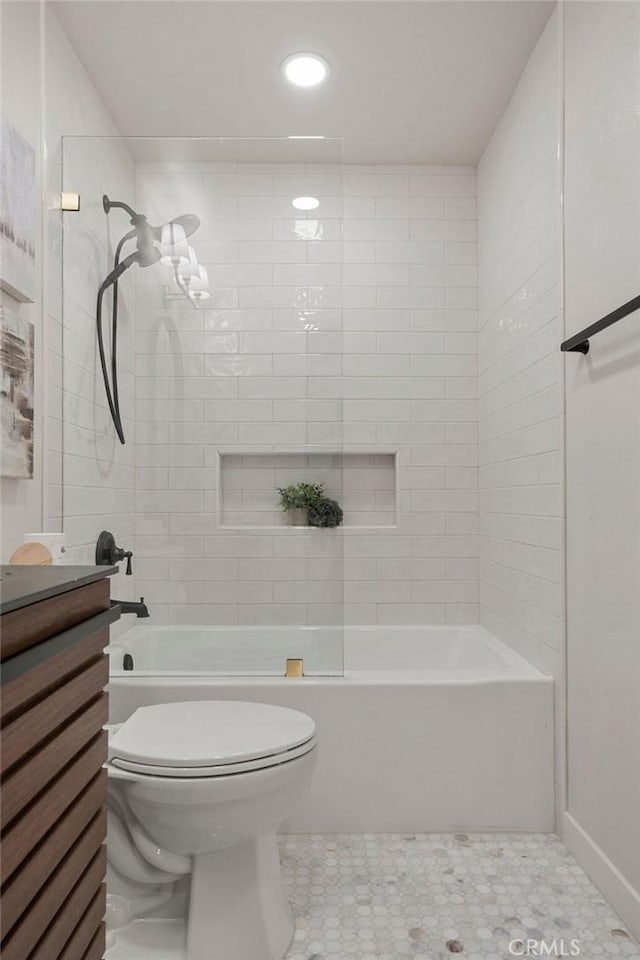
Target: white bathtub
429, 728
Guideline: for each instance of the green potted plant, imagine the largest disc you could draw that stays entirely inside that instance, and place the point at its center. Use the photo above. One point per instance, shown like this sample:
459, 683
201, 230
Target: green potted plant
296, 500
326, 513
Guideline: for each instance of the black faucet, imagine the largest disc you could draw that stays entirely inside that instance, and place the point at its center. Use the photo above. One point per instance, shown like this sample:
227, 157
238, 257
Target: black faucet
108, 554
126, 606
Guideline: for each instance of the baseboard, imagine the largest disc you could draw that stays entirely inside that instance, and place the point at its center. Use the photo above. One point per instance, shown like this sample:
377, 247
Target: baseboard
624, 899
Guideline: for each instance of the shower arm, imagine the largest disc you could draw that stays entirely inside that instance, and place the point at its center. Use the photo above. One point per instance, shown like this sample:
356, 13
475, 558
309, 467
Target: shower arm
108, 205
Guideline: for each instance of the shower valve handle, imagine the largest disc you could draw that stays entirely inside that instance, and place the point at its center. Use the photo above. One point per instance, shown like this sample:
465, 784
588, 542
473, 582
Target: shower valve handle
108, 554
118, 554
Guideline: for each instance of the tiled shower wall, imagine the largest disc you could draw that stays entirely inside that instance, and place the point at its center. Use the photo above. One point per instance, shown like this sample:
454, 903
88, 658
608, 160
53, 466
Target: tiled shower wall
351, 329
520, 368
97, 472
89, 476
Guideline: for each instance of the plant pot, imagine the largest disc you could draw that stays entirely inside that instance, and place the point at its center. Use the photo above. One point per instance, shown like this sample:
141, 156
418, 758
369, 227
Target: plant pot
298, 517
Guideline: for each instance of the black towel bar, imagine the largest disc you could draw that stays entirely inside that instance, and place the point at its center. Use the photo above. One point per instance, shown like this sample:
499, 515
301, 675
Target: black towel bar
579, 343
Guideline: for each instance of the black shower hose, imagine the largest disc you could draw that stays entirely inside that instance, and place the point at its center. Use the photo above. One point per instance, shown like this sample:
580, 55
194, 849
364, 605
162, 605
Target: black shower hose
111, 389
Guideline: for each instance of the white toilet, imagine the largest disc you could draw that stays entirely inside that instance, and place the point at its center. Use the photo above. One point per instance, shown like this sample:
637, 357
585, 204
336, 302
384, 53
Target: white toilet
202, 787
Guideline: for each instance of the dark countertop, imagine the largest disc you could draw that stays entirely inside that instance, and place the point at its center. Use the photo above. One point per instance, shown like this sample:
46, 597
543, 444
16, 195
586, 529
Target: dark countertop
21, 585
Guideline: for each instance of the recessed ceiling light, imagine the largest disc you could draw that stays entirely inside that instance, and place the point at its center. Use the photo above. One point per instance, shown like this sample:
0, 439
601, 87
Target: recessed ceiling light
305, 69
306, 203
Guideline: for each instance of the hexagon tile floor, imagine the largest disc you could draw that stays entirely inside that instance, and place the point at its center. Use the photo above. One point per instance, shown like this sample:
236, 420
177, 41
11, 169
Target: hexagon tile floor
392, 896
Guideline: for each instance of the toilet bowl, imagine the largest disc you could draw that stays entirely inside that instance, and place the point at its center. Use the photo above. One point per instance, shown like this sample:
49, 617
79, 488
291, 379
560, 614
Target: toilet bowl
200, 788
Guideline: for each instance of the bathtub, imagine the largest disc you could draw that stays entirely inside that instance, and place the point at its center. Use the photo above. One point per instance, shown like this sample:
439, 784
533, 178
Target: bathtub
428, 728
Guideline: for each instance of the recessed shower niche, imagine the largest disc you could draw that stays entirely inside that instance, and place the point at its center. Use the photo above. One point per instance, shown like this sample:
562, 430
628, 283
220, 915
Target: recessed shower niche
364, 484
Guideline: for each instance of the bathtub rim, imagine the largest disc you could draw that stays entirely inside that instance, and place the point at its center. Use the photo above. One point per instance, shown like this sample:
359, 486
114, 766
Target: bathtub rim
510, 666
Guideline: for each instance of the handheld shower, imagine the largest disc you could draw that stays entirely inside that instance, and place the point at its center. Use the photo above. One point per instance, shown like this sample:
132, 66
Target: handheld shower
152, 244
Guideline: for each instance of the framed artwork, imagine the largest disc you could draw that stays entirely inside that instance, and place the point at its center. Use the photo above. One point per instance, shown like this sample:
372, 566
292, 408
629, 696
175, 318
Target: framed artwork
16, 396
17, 214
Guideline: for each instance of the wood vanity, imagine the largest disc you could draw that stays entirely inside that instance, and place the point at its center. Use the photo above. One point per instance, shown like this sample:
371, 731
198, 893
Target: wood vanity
54, 627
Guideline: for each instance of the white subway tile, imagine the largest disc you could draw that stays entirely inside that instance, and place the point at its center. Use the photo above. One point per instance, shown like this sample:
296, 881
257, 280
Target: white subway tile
446, 275
376, 185
307, 410
207, 614
357, 208
276, 614
442, 186
462, 432
520, 383
460, 208
270, 568
307, 274
311, 365
273, 387
167, 501
237, 185
271, 432
270, 252
308, 184
377, 591
461, 388
273, 342
455, 252
434, 501
192, 524
274, 362
376, 275
412, 343
411, 614
453, 230
414, 208
381, 230
237, 410
238, 366
414, 251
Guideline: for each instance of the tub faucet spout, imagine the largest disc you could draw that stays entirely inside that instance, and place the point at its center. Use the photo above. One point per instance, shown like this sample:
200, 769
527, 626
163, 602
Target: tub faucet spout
140, 609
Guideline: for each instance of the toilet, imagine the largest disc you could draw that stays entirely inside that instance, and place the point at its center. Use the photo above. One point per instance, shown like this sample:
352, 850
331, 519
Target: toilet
200, 789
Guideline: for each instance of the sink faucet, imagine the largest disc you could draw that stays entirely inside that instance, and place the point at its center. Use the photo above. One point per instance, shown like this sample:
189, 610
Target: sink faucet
126, 606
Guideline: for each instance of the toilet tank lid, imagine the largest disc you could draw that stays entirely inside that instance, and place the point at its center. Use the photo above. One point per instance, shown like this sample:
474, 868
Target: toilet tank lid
209, 733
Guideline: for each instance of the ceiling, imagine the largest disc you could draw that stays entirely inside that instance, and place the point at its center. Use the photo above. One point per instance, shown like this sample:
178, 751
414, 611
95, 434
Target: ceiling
411, 82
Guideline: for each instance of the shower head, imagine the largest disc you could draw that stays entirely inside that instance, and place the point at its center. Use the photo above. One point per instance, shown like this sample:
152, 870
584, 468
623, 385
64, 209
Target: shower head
188, 221
149, 250
147, 236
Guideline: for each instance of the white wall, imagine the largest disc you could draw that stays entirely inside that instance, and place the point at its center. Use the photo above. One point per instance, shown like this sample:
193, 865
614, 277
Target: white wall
47, 97
602, 244
90, 478
20, 76
97, 470
521, 482
520, 368
366, 343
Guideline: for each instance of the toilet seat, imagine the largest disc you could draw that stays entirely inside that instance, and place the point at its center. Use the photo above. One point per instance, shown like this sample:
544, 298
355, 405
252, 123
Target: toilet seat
222, 770
194, 739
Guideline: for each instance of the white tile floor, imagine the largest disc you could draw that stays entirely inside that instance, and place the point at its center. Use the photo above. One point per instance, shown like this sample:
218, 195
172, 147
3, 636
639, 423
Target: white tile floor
430, 895
386, 897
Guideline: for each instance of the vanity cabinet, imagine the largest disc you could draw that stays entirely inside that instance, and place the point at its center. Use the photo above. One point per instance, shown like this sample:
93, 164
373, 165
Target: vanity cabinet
54, 627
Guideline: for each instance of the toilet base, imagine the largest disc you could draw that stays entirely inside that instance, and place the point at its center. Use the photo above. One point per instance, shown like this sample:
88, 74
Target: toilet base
238, 909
